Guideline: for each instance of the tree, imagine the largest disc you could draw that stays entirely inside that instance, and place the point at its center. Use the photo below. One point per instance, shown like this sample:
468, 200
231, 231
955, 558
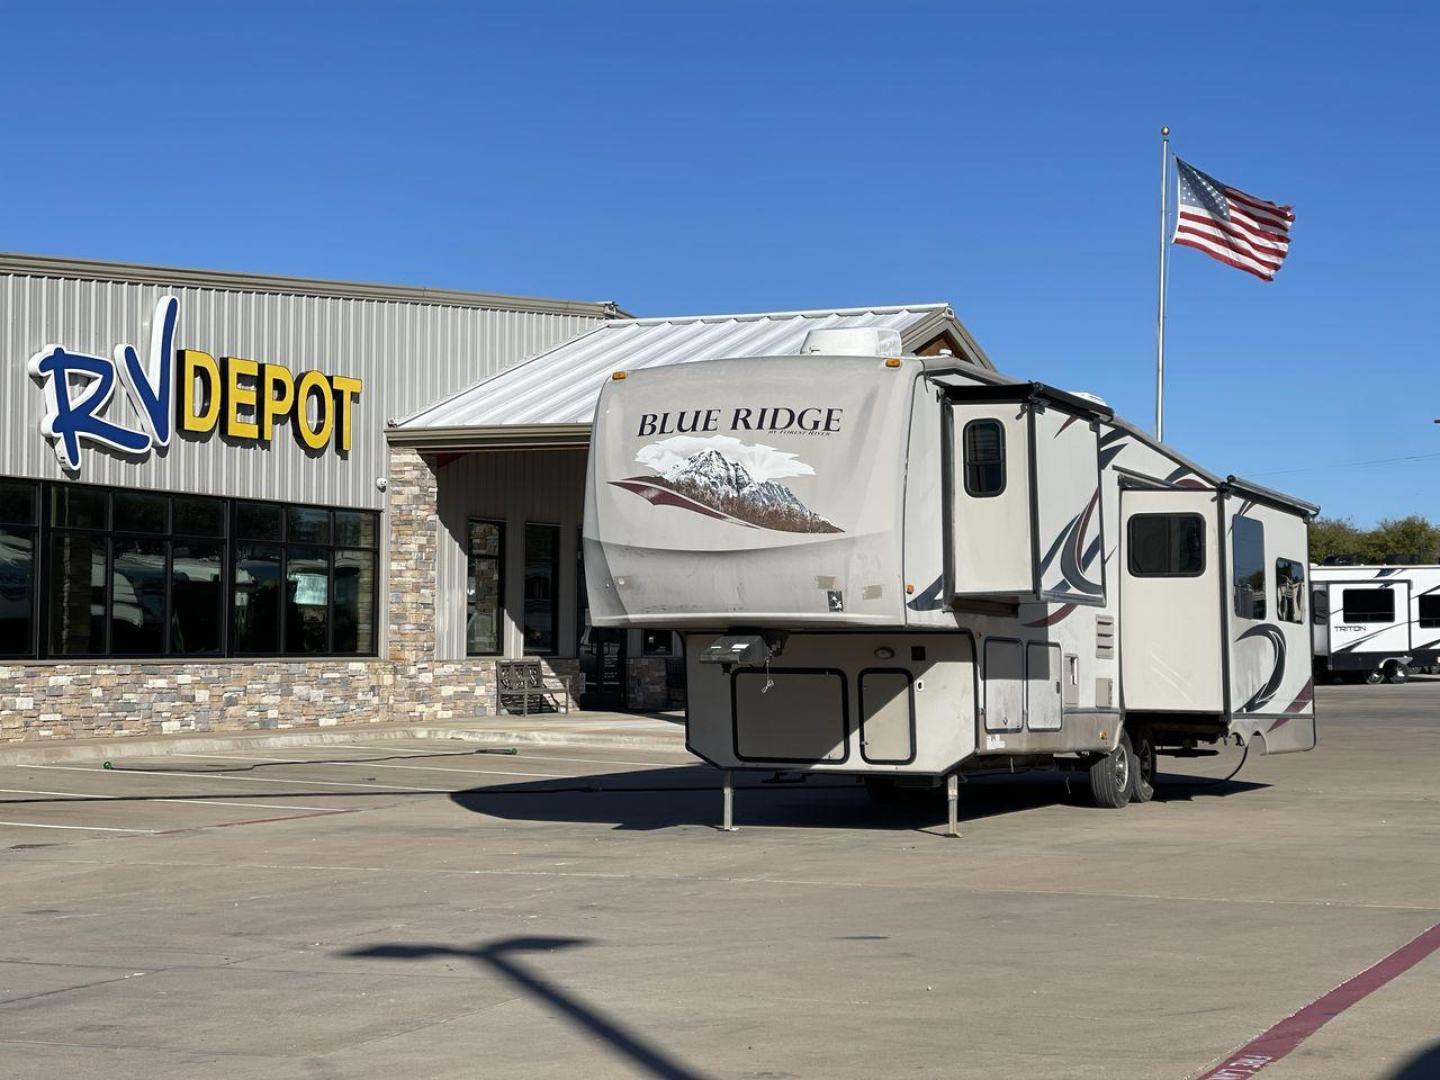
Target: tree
1407, 539
1335, 536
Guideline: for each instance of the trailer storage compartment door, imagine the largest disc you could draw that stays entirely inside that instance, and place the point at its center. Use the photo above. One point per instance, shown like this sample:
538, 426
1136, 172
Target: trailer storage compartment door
794, 715
1170, 597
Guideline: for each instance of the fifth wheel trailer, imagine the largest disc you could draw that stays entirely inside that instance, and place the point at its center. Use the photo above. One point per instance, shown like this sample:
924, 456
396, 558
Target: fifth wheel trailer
1375, 622
906, 568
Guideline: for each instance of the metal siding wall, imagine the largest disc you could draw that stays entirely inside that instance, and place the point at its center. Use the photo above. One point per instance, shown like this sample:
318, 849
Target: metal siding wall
513, 486
408, 354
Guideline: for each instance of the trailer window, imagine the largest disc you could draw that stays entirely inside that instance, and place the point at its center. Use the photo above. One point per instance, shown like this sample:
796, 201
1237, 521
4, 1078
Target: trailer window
984, 442
1368, 606
1247, 556
1320, 605
1166, 545
1289, 590
1430, 612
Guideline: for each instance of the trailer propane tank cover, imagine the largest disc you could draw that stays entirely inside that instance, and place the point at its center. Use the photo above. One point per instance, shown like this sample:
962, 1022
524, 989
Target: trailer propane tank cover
748, 650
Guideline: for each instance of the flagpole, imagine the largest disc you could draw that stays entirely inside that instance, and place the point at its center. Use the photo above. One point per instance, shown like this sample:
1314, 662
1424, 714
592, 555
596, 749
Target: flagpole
1160, 315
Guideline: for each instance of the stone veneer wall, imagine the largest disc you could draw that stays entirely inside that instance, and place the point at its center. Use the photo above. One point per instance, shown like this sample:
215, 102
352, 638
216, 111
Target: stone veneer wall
147, 697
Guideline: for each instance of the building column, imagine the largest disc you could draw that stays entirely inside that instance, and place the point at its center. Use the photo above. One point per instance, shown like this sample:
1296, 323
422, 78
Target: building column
413, 521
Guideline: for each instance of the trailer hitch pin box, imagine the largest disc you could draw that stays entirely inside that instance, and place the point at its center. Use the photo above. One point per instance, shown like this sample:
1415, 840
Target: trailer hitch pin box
737, 650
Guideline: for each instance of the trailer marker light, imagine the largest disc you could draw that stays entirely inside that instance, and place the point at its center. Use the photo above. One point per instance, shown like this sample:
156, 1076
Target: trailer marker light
892, 362
884, 652
617, 375
909, 589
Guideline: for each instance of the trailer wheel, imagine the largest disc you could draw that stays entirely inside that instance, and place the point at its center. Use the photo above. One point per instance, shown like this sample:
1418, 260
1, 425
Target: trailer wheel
1396, 672
1111, 776
1142, 781
1373, 677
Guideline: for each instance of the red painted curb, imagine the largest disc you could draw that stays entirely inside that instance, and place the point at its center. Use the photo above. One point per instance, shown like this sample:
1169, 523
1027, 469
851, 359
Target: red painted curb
1274, 1044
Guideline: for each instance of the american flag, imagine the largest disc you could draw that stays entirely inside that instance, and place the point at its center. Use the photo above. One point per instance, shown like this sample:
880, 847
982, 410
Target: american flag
1240, 230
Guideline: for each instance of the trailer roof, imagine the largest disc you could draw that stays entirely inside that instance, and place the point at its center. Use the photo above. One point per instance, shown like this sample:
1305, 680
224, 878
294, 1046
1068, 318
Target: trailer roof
552, 396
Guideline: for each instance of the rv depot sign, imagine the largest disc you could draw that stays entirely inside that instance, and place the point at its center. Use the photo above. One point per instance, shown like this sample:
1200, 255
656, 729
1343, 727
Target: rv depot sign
188, 390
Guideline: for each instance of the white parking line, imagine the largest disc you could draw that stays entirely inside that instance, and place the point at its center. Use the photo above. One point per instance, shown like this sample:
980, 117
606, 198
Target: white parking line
529, 754
375, 765
81, 828
247, 779
601, 761
147, 798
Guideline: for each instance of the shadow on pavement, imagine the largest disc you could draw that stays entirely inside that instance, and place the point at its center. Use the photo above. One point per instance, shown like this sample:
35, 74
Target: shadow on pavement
502, 957
690, 795
1423, 1066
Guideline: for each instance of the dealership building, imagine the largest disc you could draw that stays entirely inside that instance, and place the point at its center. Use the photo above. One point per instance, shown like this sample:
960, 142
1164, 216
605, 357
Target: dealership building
233, 501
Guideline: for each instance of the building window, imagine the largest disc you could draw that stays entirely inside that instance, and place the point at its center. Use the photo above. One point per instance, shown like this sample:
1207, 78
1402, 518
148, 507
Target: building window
542, 589
17, 568
1368, 606
1166, 545
984, 442
485, 589
1429, 612
1247, 558
1289, 590
145, 574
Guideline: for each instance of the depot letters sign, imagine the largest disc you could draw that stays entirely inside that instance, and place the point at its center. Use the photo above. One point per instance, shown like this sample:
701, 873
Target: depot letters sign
185, 390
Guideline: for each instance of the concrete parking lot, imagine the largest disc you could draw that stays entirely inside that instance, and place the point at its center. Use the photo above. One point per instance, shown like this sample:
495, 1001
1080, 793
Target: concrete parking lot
419, 908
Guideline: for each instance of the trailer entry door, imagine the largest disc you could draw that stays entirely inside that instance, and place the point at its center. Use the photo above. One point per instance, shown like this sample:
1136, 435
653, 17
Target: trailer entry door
1170, 601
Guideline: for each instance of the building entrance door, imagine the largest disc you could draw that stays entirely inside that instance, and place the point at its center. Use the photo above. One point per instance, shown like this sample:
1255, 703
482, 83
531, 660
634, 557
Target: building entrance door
602, 663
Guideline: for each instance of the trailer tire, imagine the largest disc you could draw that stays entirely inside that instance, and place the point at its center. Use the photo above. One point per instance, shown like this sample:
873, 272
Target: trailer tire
1373, 677
1142, 782
1111, 776
1396, 672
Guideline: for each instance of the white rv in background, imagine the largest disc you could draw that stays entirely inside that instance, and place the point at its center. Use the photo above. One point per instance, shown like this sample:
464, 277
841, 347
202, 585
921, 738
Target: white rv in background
908, 567
1376, 622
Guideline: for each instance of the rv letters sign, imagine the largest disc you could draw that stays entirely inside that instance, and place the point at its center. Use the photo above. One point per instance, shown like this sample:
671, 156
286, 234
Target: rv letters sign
188, 390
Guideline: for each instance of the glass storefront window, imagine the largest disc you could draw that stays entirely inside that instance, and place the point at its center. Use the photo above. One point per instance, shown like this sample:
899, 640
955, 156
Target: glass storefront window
354, 601
307, 526
258, 521
17, 591
255, 604
137, 596
117, 572
307, 600
76, 595
136, 511
199, 517
354, 528
197, 597
77, 507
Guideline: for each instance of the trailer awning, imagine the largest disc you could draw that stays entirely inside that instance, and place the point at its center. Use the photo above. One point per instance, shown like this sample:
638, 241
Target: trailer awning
549, 400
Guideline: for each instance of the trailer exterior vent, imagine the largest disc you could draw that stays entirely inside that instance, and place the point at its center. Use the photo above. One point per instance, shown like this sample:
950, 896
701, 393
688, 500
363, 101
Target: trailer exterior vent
852, 341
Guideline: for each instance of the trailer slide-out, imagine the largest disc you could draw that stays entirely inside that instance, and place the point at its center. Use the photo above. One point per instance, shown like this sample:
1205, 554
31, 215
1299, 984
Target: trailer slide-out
910, 567
1375, 622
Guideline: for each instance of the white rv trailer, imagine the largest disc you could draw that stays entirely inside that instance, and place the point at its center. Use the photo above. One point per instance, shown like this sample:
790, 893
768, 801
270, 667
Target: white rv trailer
905, 567
1375, 622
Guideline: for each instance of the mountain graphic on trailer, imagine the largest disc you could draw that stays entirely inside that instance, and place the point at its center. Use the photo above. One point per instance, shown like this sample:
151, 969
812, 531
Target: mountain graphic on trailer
711, 484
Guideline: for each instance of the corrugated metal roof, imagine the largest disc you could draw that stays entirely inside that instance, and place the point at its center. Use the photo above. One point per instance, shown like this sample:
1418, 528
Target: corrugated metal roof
560, 386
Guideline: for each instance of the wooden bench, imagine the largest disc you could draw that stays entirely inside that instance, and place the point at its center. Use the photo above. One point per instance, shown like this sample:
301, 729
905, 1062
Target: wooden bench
523, 684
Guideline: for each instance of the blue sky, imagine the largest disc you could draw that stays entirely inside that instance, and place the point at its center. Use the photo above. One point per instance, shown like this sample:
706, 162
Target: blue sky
680, 158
